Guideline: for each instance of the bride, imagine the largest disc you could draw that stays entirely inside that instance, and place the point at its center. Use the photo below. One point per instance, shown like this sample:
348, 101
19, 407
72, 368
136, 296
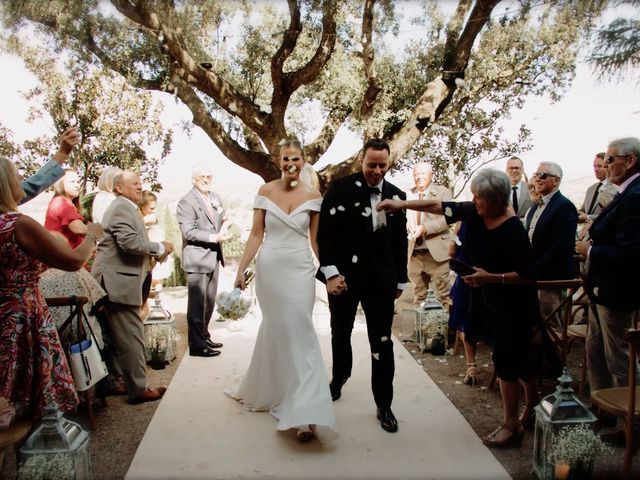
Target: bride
286, 376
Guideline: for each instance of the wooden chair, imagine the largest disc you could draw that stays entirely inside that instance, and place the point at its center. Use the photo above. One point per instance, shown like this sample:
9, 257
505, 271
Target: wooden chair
621, 401
76, 304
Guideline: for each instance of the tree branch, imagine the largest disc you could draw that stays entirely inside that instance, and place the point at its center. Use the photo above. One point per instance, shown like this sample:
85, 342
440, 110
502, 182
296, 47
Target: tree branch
373, 85
334, 120
289, 41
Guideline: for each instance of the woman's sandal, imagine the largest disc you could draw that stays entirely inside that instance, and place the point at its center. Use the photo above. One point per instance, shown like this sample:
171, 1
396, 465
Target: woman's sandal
304, 435
513, 440
471, 375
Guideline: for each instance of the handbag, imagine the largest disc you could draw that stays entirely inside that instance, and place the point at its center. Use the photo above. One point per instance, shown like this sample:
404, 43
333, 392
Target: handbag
87, 366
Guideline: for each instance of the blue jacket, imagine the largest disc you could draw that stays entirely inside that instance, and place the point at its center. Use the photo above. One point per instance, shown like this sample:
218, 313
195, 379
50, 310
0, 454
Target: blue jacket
614, 259
37, 183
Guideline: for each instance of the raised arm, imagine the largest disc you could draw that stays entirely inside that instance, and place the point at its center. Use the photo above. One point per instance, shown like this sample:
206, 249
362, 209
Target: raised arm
41, 245
430, 206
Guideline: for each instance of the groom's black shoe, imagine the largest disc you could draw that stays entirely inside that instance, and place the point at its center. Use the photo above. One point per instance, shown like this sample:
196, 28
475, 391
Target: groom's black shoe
212, 344
203, 352
388, 421
335, 387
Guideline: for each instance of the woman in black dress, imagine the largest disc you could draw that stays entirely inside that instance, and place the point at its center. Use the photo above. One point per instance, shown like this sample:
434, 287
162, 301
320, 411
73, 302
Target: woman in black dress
504, 300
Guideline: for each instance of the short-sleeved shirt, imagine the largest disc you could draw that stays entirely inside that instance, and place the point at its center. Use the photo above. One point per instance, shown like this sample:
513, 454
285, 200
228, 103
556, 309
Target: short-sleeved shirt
60, 213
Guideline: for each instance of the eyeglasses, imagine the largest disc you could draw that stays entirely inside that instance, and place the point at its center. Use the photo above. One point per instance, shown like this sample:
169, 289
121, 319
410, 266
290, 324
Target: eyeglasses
544, 175
610, 158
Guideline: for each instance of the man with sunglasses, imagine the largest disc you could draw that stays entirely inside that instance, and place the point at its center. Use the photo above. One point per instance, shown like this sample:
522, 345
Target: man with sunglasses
552, 228
613, 252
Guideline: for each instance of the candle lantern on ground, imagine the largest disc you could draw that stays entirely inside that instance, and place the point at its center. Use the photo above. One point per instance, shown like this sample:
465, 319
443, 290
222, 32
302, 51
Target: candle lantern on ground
556, 412
57, 449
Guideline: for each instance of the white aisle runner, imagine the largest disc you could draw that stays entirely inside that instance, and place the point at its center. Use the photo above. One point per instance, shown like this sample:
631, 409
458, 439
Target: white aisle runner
200, 433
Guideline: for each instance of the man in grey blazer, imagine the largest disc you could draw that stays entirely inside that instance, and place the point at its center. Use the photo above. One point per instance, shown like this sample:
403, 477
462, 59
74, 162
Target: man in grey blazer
591, 207
519, 199
51, 171
121, 266
202, 222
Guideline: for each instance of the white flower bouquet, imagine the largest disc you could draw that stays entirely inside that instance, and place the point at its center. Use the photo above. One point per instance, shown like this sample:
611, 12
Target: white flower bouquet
436, 324
232, 305
43, 467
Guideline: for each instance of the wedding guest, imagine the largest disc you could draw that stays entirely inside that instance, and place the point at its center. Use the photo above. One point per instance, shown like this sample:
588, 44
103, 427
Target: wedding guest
201, 217
552, 228
105, 195
34, 372
519, 198
364, 261
51, 171
122, 267
429, 239
286, 376
499, 249
613, 251
62, 214
590, 208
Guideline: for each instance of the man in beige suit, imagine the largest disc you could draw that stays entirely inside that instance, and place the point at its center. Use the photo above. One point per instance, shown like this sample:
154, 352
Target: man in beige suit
121, 266
429, 238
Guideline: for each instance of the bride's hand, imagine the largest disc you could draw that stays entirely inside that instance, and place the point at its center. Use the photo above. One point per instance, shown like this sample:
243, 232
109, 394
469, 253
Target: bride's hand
239, 281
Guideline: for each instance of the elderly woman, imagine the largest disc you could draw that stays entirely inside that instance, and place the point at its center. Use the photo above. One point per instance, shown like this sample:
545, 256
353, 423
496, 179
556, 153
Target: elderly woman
105, 195
34, 372
503, 299
62, 214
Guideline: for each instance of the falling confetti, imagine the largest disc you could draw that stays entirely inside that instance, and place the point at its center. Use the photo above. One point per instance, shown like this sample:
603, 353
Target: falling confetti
376, 356
367, 212
358, 183
357, 204
332, 211
294, 183
395, 197
293, 169
384, 339
354, 259
448, 212
460, 83
341, 208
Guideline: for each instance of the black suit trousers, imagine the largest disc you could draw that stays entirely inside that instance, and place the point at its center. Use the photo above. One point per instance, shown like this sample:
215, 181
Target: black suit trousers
202, 289
378, 310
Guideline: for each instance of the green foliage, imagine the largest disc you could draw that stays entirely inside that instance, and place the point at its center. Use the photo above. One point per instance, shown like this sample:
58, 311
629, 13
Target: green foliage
118, 124
616, 50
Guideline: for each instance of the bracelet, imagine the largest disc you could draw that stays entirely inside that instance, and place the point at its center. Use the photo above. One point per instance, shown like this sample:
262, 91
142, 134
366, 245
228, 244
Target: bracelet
503, 278
91, 236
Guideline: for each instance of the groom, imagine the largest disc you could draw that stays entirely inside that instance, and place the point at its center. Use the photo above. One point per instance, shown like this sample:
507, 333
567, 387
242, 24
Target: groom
363, 257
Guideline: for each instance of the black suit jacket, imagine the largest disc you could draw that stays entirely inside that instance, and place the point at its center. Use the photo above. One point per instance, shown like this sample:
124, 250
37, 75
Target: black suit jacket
554, 239
346, 238
615, 255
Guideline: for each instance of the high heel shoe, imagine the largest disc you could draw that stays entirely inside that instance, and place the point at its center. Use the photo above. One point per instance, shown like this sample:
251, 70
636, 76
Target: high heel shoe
471, 375
513, 440
304, 435
528, 417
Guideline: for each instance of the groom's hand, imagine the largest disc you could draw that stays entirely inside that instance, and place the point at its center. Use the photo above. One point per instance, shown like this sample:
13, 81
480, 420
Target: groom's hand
336, 285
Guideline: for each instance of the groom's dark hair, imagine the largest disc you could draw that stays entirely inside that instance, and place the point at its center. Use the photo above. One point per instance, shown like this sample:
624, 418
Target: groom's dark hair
376, 144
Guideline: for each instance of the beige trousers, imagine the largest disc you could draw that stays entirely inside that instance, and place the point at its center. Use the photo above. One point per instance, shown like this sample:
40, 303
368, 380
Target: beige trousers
424, 269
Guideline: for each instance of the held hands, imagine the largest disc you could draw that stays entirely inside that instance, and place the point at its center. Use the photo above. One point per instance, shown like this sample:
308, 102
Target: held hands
336, 285
582, 247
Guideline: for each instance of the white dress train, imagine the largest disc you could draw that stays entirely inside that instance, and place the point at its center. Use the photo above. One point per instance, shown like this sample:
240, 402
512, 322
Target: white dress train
286, 376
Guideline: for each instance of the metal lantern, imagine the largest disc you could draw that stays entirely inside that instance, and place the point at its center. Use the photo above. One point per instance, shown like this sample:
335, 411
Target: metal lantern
559, 410
427, 313
160, 329
57, 449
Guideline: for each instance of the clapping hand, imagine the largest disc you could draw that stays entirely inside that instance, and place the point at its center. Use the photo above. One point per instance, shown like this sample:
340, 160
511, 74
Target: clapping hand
168, 248
95, 229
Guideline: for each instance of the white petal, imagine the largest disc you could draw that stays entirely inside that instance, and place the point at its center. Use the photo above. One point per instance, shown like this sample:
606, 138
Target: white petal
376, 356
457, 241
395, 197
357, 204
384, 339
341, 208
367, 212
294, 183
467, 125
460, 83
332, 211
596, 291
293, 169
354, 259
448, 212
358, 183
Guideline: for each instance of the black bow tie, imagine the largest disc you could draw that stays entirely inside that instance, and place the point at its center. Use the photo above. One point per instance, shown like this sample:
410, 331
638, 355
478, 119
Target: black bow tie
374, 190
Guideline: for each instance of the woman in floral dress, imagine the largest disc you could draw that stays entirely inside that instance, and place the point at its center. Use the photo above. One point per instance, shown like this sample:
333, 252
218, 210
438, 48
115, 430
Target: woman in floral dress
34, 372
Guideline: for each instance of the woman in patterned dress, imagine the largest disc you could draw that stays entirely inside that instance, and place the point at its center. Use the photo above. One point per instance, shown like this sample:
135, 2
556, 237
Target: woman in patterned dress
34, 372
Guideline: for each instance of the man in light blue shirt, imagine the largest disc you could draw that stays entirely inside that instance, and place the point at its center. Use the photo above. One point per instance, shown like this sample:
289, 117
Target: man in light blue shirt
51, 171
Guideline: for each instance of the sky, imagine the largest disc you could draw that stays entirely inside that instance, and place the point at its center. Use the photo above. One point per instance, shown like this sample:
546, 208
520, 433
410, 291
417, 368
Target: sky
568, 132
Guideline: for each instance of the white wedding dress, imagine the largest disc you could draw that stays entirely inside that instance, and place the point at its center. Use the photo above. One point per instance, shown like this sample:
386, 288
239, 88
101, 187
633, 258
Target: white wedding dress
286, 376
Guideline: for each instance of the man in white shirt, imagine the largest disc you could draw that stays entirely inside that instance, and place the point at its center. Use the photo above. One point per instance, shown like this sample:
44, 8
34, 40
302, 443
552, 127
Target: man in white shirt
519, 199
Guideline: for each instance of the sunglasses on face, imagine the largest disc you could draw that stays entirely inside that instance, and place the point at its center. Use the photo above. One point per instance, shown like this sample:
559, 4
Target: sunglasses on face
608, 159
544, 175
